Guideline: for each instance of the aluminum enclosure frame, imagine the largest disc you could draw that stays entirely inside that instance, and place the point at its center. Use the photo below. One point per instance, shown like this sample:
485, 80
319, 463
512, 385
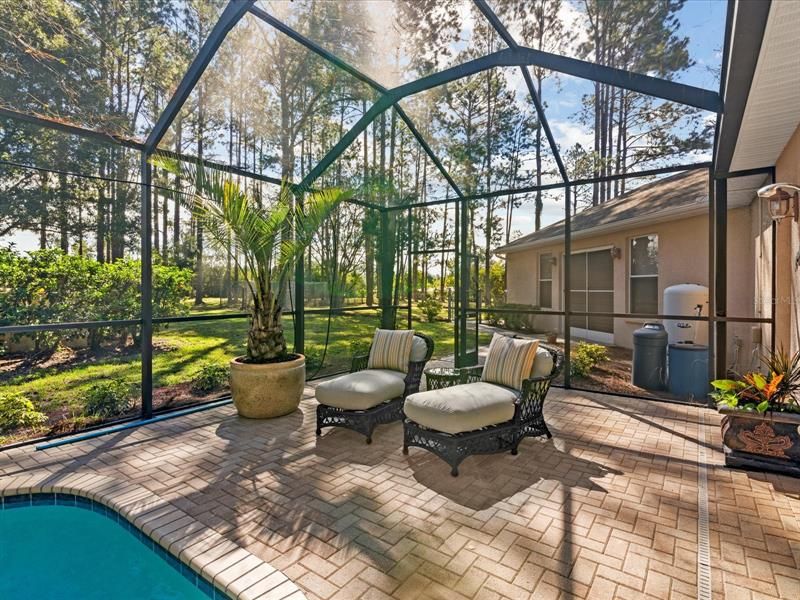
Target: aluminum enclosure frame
516, 56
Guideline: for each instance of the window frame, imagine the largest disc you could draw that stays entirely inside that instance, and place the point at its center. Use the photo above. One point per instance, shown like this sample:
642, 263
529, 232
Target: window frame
540, 279
631, 276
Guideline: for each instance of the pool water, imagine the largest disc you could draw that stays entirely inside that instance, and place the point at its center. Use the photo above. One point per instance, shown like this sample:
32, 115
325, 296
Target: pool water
68, 552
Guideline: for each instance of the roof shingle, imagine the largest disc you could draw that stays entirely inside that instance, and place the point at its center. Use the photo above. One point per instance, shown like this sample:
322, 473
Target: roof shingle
683, 192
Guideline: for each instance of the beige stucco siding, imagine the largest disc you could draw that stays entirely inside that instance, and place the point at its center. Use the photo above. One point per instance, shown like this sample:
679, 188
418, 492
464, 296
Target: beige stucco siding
683, 258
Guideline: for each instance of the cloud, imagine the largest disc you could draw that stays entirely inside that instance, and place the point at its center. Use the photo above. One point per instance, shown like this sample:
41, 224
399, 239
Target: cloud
574, 20
568, 134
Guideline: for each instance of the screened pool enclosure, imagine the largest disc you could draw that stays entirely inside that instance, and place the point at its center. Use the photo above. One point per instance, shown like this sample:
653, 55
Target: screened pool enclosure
433, 113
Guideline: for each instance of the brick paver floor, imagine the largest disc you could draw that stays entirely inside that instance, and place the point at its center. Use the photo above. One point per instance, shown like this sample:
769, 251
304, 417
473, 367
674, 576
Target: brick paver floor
607, 509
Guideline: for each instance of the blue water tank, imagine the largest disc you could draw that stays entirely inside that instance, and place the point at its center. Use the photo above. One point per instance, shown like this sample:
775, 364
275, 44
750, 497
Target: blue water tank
688, 370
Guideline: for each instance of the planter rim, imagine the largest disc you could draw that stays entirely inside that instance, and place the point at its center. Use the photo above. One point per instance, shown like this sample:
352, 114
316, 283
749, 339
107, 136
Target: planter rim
237, 363
767, 416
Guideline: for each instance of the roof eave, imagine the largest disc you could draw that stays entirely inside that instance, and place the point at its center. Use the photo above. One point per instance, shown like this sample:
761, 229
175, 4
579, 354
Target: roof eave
668, 214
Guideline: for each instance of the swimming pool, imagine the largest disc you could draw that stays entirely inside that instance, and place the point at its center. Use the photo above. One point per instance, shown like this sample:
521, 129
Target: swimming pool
65, 547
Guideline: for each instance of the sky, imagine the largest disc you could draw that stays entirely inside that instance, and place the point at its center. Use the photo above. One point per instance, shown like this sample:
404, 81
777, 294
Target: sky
703, 21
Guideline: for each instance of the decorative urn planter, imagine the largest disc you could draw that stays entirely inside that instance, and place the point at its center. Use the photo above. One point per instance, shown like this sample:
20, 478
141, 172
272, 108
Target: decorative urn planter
769, 441
267, 390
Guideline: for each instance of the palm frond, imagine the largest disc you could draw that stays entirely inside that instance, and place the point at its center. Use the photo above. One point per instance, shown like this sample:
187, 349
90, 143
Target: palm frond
307, 218
269, 240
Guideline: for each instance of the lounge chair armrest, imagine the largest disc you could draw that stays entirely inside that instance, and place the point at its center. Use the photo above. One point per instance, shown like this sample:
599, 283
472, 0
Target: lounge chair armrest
531, 382
414, 376
359, 363
471, 374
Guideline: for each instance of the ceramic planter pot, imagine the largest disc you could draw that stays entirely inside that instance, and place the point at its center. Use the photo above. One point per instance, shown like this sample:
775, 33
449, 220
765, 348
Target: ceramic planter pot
769, 441
265, 391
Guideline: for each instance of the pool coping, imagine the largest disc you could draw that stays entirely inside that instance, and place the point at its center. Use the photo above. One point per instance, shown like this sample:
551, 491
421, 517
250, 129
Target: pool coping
221, 562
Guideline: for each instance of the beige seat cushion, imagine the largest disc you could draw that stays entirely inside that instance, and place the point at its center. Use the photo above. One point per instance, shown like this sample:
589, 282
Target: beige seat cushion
461, 407
361, 390
543, 364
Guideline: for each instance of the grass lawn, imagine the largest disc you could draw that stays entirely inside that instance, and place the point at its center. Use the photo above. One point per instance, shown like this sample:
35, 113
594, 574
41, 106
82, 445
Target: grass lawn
58, 387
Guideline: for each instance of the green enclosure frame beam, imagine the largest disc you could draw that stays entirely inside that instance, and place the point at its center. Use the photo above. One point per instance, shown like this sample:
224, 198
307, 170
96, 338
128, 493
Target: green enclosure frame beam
561, 185
513, 56
299, 294
350, 69
233, 12
384, 103
146, 342
500, 28
522, 57
127, 142
422, 142
316, 48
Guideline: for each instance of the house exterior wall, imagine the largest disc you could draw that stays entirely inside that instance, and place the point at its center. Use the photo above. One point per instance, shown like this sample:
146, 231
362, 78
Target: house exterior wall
787, 330
762, 302
683, 258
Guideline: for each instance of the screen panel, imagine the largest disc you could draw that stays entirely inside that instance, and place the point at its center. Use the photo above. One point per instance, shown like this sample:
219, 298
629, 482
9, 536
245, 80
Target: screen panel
108, 66
391, 41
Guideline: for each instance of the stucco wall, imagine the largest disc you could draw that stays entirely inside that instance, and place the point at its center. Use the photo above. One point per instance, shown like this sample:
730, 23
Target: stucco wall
787, 334
683, 258
762, 235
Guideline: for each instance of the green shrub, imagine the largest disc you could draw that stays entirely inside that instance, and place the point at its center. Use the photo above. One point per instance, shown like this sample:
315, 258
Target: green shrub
313, 362
585, 357
108, 399
210, 377
431, 307
510, 320
360, 347
48, 286
17, 411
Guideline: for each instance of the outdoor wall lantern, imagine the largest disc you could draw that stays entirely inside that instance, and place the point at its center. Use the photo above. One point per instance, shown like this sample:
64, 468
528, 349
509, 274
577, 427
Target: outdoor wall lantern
783, 199
553, 260
616, 252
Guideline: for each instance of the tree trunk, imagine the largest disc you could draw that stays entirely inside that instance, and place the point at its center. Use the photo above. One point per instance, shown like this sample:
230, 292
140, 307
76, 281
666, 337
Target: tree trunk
156, 224
63, 208
443, 259
45, 191
265, 338
102, 207
164, 226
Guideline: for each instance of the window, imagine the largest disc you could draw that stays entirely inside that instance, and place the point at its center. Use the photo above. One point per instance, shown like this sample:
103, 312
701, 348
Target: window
644, 275
591, 290
546, 280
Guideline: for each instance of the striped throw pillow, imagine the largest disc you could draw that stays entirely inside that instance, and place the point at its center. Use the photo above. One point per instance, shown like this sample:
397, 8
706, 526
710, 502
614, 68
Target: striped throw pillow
391, 349
509, 361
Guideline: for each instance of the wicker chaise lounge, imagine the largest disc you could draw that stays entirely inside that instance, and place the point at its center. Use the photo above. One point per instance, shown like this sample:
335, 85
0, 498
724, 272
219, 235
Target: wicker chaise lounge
479, 416
369, 396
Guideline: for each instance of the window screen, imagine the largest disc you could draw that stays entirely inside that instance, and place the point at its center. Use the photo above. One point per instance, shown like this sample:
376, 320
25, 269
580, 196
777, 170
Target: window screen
644, 275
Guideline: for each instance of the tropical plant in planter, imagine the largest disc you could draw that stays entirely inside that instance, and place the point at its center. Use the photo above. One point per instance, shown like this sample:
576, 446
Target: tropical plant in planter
761, 415
264, 243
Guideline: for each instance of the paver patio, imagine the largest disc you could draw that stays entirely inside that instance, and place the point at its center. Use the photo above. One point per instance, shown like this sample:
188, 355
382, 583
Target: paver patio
608, 509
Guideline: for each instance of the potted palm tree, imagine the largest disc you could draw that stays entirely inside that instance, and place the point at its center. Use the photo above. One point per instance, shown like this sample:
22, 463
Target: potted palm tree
761, 415
268, 380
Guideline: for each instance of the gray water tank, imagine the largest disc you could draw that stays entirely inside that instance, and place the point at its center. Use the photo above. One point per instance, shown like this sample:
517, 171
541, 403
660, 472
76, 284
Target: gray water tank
649, 357
688, 371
